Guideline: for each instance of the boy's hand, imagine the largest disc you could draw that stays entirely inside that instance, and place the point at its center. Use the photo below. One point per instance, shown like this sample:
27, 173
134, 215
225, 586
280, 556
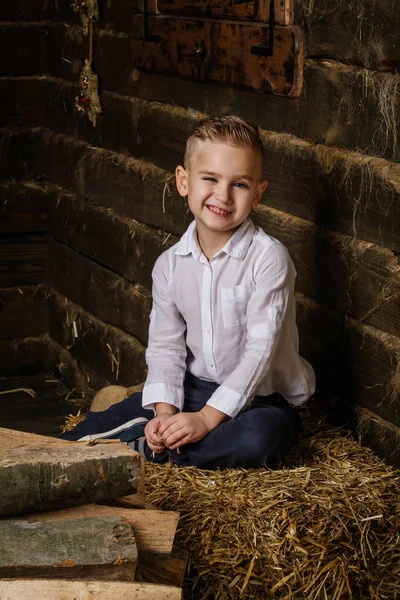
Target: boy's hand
151, 431
184, 428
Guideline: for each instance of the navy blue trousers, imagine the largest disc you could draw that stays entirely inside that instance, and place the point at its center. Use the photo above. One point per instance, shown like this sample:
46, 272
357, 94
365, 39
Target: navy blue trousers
259, 436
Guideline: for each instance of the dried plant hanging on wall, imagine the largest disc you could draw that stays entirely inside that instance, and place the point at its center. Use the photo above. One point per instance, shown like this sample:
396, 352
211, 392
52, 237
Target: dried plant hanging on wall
88, 11
87, 100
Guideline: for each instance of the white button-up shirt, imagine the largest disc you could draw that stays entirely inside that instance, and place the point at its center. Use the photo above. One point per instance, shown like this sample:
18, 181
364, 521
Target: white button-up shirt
231, 320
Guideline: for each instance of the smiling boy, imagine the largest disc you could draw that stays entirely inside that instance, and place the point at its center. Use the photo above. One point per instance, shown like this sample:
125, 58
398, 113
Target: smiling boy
223, 347
224, 370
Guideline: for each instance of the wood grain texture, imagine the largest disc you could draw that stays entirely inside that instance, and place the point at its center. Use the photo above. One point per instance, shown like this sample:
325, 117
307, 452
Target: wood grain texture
22, 259
74, 474
377, 433
154, 530
128, 305
336, 189
342, 104
131, 252
220, 51
91, 548
169, 569
83, 590
113, 354
354, 362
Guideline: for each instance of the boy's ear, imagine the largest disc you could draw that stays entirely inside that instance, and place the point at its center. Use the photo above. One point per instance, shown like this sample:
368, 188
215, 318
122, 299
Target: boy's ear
262, 186
181, 176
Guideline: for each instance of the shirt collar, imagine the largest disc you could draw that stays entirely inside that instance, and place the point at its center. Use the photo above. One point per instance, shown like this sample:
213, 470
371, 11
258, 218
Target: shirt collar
237, 246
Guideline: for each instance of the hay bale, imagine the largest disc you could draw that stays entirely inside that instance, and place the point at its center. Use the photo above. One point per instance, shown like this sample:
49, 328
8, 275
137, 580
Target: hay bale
327, 527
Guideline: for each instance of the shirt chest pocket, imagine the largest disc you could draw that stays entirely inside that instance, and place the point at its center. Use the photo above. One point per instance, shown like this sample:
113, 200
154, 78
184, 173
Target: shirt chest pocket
234, 304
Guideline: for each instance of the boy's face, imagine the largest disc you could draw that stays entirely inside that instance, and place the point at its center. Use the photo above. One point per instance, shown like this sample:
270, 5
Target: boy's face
223, 183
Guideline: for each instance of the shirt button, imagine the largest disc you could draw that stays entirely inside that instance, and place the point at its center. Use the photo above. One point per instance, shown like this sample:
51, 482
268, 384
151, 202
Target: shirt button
211, 365
208, 331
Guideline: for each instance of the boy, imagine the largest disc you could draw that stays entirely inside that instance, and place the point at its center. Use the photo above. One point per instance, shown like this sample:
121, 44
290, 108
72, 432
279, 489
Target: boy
223, 361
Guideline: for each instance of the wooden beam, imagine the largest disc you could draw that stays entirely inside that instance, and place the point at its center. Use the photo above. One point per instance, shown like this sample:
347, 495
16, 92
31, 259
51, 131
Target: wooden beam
128, 305
22, 259
164, 568
154, 529
75, 474
40, 589
377, 433
23, 312
341, 31
347, 191
92, 548
113, 354
25, 356
23, 207
116, 242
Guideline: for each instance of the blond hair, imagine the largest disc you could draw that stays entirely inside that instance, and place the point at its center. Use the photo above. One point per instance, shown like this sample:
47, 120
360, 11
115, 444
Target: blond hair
228, 128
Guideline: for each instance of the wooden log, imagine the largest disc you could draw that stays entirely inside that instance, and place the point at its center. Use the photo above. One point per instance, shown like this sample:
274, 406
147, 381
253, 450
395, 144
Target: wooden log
346, 32
43, 413
23, 207
134, 501
154, 529
25, 356
128, 305
110, 352
168, 569
76, 473
92, 548
373, 368
76, 377
22, 259
118, 243
22, 312
41, 589
354, 277
12, 438
377, 433
354, 361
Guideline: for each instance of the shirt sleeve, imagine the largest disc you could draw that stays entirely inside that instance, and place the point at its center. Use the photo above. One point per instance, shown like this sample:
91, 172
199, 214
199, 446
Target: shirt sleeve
166, 351
266, 314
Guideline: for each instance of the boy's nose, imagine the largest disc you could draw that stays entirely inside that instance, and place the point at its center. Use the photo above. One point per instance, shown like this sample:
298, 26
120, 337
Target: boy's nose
223, 194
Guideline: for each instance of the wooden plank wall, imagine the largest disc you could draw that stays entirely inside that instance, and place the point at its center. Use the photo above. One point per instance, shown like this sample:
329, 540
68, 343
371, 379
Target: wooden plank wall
332, 160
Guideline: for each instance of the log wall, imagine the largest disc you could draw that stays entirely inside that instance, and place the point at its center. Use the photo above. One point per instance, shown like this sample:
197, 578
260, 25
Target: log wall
106, 194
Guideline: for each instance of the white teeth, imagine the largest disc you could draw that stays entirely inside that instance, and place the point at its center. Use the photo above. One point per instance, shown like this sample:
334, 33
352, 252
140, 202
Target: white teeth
218, 210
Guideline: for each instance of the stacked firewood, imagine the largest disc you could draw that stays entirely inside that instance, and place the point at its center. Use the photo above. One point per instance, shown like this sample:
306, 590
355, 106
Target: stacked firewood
73, 524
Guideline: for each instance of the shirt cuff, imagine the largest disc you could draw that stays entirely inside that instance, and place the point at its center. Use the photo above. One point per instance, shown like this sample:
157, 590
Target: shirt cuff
153, 393
227, 401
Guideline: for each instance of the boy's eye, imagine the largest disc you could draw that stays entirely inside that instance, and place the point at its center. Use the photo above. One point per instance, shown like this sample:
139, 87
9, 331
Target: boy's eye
240, 184
209, 179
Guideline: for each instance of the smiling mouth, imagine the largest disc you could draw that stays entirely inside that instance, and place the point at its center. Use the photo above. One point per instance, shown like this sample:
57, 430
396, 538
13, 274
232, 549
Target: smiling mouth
219, 211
